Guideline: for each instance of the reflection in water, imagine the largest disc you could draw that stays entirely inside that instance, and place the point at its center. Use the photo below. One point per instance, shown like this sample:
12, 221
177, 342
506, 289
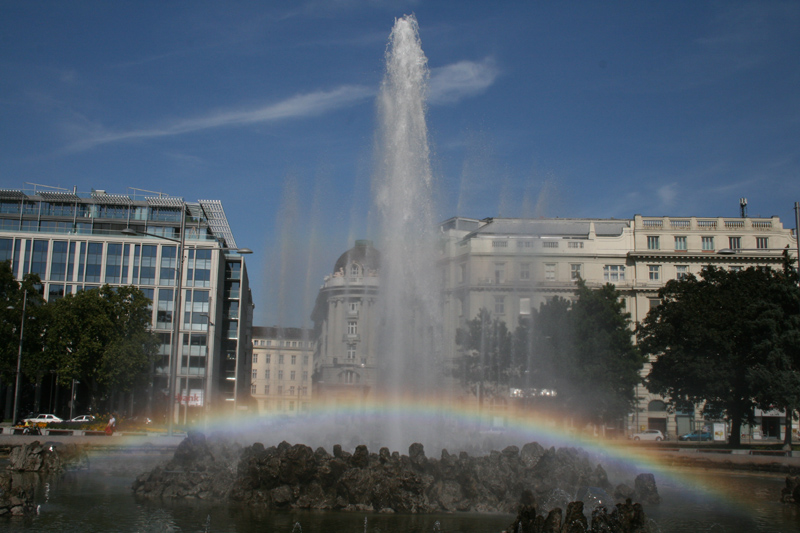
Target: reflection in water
101, 500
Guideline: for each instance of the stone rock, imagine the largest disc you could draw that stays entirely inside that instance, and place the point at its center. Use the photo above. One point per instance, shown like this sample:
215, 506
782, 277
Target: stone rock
644, 487
293, 476
16, 498
47, 457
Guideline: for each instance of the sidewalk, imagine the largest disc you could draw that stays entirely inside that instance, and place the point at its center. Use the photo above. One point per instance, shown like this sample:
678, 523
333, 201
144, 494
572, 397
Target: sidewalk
94, 438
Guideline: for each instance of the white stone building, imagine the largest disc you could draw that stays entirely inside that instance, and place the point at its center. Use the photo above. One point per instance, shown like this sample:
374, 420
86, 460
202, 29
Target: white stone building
281, 370
509, 266
344, 325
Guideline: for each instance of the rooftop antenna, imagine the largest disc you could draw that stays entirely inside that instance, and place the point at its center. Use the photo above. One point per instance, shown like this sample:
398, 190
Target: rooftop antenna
743, 207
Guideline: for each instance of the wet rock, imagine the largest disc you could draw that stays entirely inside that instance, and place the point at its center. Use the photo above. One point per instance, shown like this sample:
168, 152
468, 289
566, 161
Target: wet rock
294, 476
47, 457
16, 498
644, 487
790, 493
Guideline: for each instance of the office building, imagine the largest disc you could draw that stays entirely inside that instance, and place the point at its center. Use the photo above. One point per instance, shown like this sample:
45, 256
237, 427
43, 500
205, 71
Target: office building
79, 241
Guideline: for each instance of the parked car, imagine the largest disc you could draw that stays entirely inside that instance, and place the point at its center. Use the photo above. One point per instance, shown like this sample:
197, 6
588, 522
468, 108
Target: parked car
697, 435
650, 434
82, 419
41, 419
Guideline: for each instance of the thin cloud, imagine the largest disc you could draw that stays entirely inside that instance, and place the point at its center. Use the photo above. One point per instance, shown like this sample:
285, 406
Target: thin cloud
455, 82
299, 106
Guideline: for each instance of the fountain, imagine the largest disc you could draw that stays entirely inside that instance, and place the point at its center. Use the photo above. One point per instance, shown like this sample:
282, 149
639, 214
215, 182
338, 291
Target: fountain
403, 189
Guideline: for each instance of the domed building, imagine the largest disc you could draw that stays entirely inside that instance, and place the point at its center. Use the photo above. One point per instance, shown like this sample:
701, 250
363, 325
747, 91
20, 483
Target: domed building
345, 359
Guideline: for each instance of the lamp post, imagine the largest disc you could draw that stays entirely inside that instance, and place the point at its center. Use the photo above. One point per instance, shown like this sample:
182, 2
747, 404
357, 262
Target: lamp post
206, 381
19, 355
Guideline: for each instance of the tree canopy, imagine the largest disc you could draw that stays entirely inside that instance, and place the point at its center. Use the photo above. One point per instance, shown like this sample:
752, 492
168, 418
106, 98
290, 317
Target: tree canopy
100, 337
728, 339
578, 357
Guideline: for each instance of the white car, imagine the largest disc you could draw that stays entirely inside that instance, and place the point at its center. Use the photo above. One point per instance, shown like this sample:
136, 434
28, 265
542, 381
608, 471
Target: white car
650, 434
42, 419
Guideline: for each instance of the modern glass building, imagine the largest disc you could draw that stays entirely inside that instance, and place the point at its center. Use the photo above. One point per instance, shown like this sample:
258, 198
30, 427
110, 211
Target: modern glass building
181, 254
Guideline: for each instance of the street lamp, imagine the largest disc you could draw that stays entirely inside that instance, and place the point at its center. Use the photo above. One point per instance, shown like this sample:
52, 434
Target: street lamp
19, 355
177, 301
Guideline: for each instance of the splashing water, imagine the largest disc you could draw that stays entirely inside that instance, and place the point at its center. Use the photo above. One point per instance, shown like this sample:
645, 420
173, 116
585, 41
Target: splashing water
409, 332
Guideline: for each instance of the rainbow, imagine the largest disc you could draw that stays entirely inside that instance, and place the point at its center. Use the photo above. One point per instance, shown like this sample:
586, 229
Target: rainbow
396, 422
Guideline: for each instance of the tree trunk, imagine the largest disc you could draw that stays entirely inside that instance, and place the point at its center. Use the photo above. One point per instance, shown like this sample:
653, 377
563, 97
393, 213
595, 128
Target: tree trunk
787, 434
735, 438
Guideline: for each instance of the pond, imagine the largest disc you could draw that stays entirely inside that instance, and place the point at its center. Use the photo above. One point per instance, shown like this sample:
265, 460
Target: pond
100, 499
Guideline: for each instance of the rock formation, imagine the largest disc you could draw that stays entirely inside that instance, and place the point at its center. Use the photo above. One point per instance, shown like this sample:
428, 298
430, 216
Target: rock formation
16, 498
46, 458
295, 476
625, 517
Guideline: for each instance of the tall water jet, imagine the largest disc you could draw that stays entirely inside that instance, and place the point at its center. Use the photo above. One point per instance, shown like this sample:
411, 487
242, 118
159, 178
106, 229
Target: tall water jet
408, 338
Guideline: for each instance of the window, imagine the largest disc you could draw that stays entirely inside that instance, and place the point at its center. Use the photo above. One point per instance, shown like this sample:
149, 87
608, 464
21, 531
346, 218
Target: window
499, 244
255, 358
652, 242
654, 302
305, 360
681, 271
294, 359
280, 359
654, 272
266, 374
499, 273
525, 271
680, 243
266, 389
575, 272
255, 374
354, 270
353, 307
499, 305
762, 242
253, 388
462, 272
614, 273
575, 244
525, 306
734, 243
267, 357
549, 244
550, 272
708, 244
305, 375
280, 375
352, 327
351, 352
280, 390
292, 375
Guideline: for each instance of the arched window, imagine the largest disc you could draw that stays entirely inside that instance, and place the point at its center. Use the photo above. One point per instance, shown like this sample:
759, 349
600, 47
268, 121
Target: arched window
657, 406
354, 270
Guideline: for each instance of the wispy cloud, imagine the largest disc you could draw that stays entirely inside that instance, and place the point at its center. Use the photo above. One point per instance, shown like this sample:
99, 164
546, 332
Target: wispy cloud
299, 106
460, 80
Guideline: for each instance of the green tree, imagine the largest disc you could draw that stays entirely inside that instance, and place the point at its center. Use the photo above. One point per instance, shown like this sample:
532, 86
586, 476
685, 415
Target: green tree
582, 351
728, 338
102, 338
486, 363
13, 297
605, 364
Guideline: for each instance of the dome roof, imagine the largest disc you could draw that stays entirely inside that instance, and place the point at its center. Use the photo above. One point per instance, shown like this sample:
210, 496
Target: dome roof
367, 257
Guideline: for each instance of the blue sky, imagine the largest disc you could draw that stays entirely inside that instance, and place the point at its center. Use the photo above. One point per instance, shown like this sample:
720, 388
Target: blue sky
568, 109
